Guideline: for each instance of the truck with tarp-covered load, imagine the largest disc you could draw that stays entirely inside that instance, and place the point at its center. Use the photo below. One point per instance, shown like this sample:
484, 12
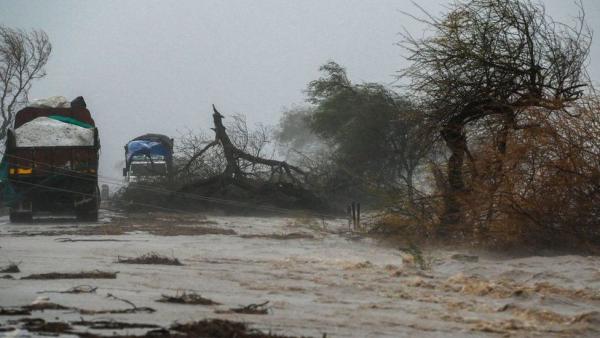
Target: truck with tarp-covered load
148, 158
50, 166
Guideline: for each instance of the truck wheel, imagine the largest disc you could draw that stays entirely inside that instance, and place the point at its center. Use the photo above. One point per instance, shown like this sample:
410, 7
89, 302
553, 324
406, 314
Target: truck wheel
20, 217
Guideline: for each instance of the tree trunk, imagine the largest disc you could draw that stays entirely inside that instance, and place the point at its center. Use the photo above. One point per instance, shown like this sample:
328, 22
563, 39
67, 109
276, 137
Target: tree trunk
508, 123
455, 139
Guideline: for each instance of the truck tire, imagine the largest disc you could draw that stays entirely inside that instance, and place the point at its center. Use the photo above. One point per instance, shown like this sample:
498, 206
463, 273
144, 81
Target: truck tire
20, 217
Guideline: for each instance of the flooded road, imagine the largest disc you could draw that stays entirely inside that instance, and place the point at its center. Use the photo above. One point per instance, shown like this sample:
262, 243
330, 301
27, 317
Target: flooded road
317, 278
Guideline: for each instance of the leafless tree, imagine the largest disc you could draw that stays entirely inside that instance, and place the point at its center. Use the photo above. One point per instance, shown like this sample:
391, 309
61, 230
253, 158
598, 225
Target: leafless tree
492, 60
239, 167
23, 56
198, 156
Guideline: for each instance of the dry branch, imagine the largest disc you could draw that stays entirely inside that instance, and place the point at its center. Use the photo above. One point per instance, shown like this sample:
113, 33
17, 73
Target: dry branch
187, 298
251, 309
96, 274
150, 258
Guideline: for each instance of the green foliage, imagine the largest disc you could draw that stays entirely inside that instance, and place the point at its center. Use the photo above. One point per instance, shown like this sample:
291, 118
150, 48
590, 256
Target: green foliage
374, 130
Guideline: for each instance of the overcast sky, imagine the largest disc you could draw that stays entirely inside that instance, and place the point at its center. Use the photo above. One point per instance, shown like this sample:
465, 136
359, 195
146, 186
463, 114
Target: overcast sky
157, 66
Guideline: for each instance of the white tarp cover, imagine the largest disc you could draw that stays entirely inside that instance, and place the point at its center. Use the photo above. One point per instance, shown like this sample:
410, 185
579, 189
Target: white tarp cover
51, 102
47, 132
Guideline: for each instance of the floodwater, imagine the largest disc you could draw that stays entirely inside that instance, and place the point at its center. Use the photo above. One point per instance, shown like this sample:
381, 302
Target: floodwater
317, 277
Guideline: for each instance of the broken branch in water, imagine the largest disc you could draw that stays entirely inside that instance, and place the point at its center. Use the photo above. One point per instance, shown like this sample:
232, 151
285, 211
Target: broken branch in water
187, 298
150, 258
112, 325
75, 290
110, 295
134, 308
252, 309
96, 274
14, 311
65, 239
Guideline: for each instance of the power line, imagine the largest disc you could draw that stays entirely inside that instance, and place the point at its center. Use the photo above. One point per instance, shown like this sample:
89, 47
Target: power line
84, 176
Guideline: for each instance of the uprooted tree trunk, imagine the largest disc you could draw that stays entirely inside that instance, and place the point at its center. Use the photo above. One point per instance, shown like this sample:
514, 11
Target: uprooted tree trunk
285, 179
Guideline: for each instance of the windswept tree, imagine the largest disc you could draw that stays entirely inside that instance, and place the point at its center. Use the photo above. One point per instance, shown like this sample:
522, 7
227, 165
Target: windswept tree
374, 130
23, 56
492, 61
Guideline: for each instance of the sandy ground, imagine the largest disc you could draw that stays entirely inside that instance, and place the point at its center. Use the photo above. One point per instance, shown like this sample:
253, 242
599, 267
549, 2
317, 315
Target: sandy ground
318, 279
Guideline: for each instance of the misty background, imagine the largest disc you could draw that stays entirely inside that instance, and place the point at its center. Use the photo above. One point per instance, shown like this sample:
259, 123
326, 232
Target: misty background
157, 66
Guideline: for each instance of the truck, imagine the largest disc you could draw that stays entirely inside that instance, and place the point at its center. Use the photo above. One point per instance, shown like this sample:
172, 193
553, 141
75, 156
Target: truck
148, 157
51, 162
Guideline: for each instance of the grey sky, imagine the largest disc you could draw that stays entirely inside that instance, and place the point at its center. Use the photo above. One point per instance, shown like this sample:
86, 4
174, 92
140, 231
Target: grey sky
157, 66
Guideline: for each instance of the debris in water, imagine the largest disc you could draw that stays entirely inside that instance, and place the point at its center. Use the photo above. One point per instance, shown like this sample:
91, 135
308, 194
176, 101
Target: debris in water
65, 239
219, 328
41, 306
134, 308
15, 311
96, 274
252, 309
113, 325
187, 298
40, 325
117, 311
74, 290
11, 268
292, 235
150, 258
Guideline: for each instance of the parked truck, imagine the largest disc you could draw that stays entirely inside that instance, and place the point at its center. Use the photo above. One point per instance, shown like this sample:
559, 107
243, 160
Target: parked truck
51, 162
148, 158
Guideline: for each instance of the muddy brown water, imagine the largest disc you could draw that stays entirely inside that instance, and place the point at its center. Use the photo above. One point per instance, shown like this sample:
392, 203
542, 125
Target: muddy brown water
316, 277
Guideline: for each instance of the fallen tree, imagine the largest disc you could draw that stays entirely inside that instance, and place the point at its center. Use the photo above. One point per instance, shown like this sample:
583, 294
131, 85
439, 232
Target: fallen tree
246, 177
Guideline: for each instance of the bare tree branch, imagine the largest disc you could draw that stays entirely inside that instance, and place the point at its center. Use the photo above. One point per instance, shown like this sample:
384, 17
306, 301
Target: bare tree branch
23, 56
